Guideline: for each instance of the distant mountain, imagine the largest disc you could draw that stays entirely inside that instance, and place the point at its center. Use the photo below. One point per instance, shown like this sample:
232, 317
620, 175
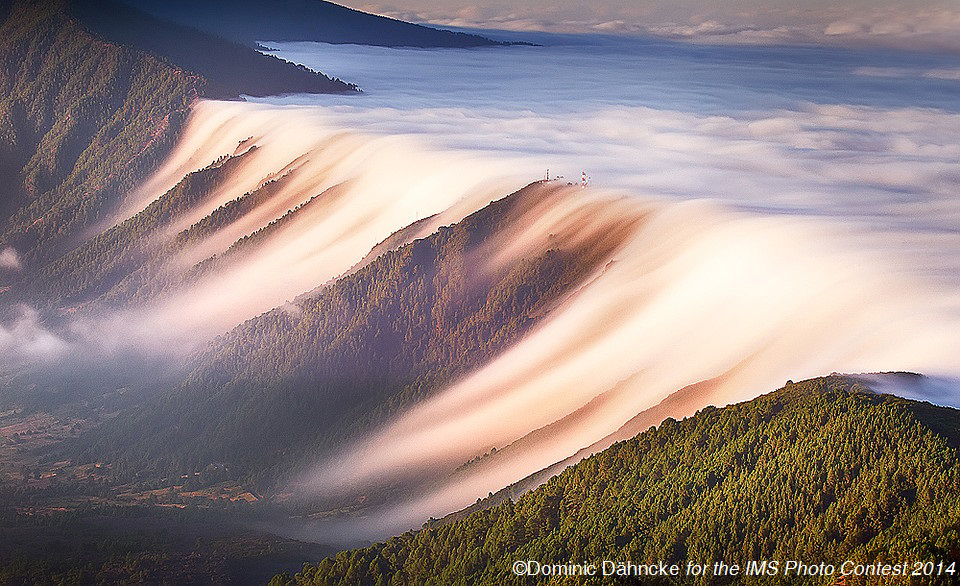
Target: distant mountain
819, 471
248, 21
230, 68
94, 95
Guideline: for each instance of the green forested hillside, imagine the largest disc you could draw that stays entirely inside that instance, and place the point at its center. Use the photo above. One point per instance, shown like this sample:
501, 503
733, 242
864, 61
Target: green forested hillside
92, 97
819, 471
81, 121
106, 259
302, 378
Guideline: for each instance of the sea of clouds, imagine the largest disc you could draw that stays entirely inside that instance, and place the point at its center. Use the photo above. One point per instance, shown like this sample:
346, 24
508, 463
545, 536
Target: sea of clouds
915, 24
867, 140
862, 137
809, 205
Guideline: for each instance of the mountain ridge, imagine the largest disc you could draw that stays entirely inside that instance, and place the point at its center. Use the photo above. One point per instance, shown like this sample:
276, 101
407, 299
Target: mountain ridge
369, 319
427, 362
249, 21
822, 470
230, 68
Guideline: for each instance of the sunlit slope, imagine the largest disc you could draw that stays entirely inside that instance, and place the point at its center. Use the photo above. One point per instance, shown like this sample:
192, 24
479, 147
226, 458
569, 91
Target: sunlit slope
413, 367
820, 471
538, 330
81, 123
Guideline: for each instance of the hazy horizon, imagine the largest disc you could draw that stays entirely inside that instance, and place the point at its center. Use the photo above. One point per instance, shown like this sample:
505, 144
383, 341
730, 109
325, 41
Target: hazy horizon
926, 25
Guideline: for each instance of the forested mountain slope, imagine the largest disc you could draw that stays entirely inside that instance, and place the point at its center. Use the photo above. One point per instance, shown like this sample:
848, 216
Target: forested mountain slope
303, 378
819, 471
93, 96
108, 258
81, 122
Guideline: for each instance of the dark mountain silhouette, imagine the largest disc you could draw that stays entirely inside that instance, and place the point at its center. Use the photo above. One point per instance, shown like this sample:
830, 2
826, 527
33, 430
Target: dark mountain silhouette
248, 21
230, 68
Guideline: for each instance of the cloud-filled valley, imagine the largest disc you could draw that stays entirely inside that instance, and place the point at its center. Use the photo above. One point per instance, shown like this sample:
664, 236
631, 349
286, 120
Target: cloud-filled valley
775, 209
559, 285
766, 214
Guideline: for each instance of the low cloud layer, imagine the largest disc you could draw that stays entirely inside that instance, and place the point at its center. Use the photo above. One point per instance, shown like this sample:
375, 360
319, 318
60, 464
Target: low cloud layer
947, 74
850, 137
9, 259
23, 337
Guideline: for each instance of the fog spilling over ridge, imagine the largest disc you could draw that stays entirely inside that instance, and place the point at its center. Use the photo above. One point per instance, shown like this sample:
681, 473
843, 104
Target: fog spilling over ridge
797, 220
779, 130
330, 194
695, 294
760, 215
810, 131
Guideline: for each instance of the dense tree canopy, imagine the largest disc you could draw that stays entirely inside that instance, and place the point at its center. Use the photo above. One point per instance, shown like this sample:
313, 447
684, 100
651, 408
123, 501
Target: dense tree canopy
93, 95
297, 380
81, 121
819, 471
